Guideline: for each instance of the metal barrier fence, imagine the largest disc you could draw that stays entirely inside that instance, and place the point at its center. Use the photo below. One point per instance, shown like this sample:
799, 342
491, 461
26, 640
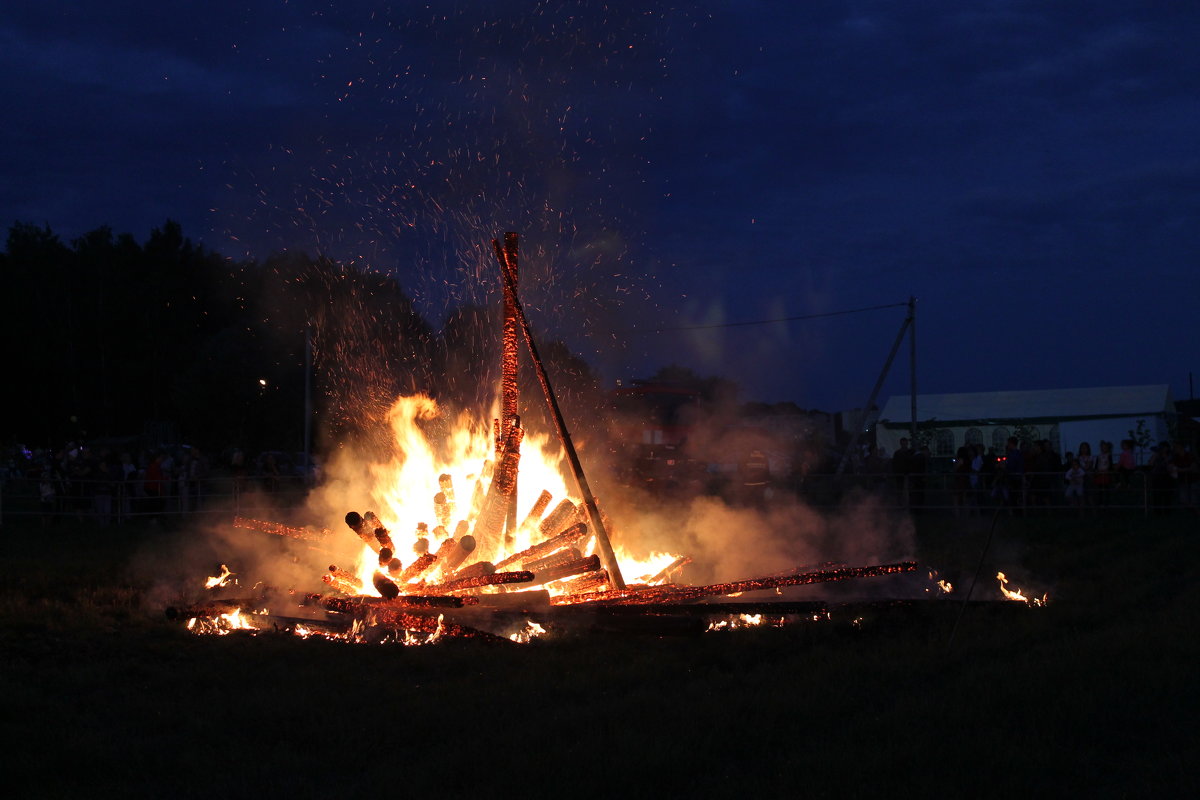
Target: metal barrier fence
1034, 492
114, 503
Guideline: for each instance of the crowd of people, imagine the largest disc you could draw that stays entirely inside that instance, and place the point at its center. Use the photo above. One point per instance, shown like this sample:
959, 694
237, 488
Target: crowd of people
1035, 476
111, 484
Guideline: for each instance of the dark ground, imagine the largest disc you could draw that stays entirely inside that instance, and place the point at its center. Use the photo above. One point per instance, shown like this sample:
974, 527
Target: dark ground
1091, 696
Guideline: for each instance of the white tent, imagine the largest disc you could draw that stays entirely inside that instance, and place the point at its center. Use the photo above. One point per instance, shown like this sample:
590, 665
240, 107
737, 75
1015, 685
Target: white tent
1064, 416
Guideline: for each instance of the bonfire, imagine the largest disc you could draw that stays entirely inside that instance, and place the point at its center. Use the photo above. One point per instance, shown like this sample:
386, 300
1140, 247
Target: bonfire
501, 546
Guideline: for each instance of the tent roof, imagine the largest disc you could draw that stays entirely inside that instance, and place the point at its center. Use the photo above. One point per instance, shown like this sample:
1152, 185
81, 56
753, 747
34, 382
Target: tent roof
983, 407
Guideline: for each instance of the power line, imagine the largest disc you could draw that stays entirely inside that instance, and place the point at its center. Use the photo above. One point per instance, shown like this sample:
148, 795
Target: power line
767, 321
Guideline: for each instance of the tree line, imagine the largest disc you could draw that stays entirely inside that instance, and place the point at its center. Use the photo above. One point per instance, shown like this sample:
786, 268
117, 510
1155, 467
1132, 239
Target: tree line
109, 337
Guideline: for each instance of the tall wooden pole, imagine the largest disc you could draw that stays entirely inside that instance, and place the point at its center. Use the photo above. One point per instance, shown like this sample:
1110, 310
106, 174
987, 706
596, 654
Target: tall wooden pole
607, 557
509, 388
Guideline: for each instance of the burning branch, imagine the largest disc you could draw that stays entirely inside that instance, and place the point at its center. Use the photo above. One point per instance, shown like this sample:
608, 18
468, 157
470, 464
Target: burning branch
675, 594
279, 529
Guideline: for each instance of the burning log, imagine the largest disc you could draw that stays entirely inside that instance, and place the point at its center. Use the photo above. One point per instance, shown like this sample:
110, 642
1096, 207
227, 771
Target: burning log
380, 533
493, 516
655, 594
509, 369
417, 568
536, 511
495, 579
475, 570
385, 586
821, 576
610, 596
553, 560
674, 567
342, 581
443, 501
805, 608
454, 552
212, 608
515, 601
590, 582
358, 605
563, 514
433, 626
279, 529
365, 528
568, 538
567, 570
479, 493
507, 259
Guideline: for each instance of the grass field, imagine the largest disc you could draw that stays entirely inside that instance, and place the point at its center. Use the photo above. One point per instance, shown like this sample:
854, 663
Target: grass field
1092, 696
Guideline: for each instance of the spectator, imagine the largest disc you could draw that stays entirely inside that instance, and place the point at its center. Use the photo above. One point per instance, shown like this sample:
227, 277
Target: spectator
1102, 473
1162, 477
963, 478
1075, 477
1014, 470
1088, 461
1126, 463
1185, 475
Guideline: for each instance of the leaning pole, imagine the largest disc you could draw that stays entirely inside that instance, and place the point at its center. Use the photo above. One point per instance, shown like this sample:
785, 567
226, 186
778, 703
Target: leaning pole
509, 362
607, 558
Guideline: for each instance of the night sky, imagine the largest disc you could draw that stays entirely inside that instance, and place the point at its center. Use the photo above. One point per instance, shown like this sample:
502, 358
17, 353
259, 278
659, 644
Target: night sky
1029, 171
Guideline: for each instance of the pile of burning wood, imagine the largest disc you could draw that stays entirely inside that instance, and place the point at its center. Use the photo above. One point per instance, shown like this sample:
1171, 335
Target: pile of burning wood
548, 587
464, 580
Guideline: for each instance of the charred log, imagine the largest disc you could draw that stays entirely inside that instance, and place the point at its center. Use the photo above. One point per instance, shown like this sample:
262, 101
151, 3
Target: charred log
535, 512
563, 515
279, 529
342, 581
674, 567
386, 587
590, 582
417, 568
476, 570
553, 560
359, 605
495, 579
589, 564
453, 553
568, 538
363, 529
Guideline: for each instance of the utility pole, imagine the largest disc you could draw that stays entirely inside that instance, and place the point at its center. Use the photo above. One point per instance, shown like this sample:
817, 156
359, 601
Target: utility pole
905, 327
912, 365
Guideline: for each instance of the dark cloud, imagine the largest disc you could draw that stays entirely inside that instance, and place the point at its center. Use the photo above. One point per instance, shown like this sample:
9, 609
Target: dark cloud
670, 165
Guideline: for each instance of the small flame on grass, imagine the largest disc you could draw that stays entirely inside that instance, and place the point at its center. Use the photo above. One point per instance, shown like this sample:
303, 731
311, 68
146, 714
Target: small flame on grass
733, 622
531, 631
1015, 594
222, 624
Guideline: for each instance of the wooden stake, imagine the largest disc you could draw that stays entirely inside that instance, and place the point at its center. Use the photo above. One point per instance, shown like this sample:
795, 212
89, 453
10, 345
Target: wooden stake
607, 557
